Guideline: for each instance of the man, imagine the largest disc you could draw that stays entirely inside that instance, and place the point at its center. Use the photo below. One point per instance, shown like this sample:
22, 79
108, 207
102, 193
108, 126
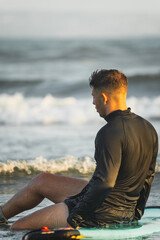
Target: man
125, 153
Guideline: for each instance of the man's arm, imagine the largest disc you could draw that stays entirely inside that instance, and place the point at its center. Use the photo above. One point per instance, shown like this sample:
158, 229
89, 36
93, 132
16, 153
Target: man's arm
103, 180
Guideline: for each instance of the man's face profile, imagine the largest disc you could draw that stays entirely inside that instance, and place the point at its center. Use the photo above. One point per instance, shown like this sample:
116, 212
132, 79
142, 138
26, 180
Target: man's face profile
98, 101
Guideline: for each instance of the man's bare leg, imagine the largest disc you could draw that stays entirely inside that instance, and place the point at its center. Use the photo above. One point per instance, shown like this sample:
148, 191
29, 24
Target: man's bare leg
52, 216
45, 185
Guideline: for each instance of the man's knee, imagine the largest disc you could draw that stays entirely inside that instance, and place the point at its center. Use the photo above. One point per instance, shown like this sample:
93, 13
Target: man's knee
16, 226
38, 183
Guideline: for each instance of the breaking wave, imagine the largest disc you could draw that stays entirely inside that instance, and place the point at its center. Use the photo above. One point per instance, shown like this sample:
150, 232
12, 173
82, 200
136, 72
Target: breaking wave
17, 109
68, 165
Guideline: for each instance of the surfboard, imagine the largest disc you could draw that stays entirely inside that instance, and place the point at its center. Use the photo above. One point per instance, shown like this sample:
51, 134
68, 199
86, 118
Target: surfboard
148, 225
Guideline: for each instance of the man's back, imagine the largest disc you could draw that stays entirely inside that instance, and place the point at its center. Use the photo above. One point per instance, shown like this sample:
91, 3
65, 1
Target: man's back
138, 157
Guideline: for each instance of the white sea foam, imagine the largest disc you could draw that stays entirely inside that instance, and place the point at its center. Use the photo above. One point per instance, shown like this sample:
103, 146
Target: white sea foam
83, 165
17, 109
69, 164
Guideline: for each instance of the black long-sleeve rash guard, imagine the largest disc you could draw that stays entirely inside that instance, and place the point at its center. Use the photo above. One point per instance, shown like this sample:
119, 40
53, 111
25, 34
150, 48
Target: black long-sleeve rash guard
125, 153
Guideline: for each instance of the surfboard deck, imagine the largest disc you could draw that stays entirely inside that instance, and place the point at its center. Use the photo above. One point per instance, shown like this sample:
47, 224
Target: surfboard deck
149, 224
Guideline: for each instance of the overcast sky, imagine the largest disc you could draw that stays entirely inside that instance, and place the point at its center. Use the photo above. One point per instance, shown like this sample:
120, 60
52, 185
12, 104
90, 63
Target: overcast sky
84, 18
150, 6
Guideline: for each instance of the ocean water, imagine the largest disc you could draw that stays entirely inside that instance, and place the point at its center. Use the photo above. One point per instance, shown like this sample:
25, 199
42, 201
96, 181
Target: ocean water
47, 120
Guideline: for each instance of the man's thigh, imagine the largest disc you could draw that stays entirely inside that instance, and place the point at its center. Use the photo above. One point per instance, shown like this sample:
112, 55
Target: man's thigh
57, 188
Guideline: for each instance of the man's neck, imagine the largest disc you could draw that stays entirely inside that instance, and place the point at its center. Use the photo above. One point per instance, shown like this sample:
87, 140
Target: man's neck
112, 108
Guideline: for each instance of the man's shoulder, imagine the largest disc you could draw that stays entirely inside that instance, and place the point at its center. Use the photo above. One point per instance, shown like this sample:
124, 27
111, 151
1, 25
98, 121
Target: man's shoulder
145, 122
141, 126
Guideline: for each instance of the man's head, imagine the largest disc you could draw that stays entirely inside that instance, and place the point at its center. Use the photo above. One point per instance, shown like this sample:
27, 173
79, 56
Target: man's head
109, 90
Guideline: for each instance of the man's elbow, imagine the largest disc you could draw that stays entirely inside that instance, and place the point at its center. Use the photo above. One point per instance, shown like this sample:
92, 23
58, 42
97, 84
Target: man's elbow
106, 188
109, 185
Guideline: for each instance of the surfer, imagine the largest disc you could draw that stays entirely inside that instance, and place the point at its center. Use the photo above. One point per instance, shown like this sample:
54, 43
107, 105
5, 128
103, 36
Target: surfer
125, 154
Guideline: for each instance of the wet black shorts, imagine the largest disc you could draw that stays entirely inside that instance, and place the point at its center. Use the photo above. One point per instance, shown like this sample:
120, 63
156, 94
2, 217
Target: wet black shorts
104, 216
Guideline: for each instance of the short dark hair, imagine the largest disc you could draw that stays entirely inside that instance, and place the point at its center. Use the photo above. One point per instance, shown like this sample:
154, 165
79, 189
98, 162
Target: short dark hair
110, 79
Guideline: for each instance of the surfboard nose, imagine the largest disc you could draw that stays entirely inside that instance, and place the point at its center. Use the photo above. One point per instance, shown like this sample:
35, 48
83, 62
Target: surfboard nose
51, 234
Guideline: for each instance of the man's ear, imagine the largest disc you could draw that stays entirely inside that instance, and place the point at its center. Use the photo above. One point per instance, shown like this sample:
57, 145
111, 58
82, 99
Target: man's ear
105, 97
